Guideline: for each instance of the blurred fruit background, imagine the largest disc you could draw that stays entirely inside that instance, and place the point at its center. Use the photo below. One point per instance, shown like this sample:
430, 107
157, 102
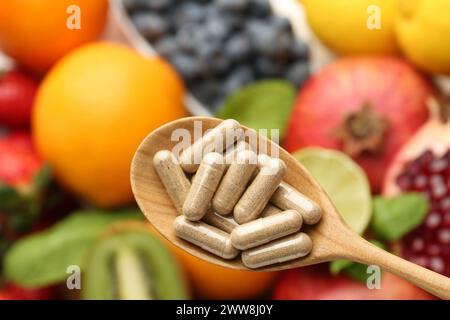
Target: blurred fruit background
358, 89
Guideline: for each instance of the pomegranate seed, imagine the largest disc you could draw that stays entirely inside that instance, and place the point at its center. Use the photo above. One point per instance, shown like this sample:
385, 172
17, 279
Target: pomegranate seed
438, 166
404, 181
426, 158
444, 236
433, 220
445, 204
418, 244
437, 264
420, 182
433, 250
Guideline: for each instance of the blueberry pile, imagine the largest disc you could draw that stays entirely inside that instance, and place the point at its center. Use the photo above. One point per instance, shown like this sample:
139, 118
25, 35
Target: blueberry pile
220, 45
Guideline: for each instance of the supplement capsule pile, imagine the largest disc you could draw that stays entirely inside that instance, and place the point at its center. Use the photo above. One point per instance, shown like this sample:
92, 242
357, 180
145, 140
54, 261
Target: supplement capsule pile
236, 202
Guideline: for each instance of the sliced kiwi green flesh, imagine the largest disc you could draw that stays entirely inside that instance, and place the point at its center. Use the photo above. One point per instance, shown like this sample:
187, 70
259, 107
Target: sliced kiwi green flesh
129, 263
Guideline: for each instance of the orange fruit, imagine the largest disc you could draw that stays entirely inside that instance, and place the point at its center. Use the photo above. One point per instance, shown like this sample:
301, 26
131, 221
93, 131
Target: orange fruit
92, 111
211, 281
35, 32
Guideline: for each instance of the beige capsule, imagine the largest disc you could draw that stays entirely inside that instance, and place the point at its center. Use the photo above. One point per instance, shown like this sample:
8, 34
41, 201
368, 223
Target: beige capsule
206, 237
204, 186
291, 247
270, 210
257, 195
172, 176
232, 152
224, 223
264, 230
234, 182
221, 137
286, 197
262, 160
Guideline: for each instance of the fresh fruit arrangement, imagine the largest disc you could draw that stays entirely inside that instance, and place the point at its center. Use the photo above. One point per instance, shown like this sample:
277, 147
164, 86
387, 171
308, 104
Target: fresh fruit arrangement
218, 46
372, 126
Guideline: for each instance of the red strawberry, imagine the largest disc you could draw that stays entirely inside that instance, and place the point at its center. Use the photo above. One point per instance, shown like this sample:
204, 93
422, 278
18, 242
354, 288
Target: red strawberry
23, 178
17, 91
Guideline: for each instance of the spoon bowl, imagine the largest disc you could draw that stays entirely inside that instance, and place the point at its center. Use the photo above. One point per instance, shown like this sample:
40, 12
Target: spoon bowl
332, 238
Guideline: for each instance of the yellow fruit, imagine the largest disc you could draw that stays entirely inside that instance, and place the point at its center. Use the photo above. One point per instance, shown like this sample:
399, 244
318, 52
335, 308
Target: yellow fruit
423, 32
92, 111
342, 25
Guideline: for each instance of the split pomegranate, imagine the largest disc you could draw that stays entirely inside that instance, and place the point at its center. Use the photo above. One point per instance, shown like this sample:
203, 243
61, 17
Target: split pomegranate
423, 165
366, 106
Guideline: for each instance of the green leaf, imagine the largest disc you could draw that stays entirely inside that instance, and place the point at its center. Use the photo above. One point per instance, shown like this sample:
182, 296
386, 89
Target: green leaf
42, 179
395, 217
10, 199
357, 271
338, 265
265, 104
42, 259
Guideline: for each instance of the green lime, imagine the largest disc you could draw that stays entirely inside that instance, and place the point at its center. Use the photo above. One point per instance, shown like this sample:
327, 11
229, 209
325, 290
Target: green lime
343, 180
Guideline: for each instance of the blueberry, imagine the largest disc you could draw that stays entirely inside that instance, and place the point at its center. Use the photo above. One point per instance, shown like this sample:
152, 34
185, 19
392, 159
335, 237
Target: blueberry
280, 24
299, 50
159, 5
186, 37
147, 5
167, 46
217, 28
186, 65
267, 68
150, 25
132, 5
206, 92
219, 64
231, 20
187, 13
206, 50
298, 73
283, 45
232, 5
238, 78
205, 45
260, 8
262, 36
238, 47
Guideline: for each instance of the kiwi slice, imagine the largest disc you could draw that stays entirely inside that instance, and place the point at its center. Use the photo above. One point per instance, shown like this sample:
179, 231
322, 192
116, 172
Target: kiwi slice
129, 262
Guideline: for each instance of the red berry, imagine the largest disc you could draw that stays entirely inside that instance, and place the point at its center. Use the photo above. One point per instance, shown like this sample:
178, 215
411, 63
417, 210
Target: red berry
18, 160
17, 92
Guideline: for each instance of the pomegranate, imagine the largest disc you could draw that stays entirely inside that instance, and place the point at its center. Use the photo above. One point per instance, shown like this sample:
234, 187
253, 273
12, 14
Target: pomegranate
423, 165
366, 106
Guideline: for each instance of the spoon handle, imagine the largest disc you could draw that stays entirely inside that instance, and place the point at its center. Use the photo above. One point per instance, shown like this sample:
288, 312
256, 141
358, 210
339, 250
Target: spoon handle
364, 252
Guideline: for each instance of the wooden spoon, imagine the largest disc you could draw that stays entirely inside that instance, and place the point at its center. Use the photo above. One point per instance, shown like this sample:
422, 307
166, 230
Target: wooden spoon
332, 238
